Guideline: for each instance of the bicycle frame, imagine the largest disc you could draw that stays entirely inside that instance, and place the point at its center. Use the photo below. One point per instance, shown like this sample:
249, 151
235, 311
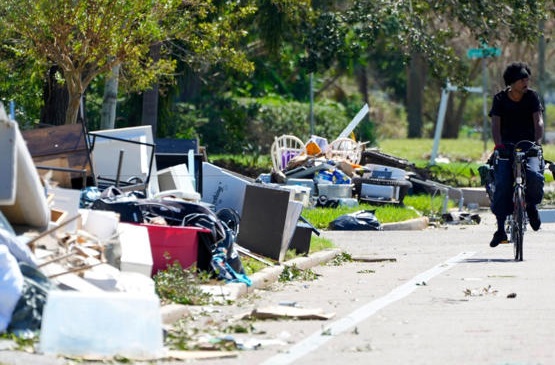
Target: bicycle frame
516, 222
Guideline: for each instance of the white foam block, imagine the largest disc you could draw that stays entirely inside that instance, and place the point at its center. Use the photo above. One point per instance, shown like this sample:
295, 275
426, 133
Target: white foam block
136, 255
102, 324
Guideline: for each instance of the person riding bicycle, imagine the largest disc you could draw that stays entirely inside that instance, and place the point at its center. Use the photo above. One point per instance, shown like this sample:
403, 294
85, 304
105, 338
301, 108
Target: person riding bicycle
516, 114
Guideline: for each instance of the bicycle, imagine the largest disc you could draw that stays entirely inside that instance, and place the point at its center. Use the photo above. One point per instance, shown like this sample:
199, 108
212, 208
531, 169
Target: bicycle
516, 222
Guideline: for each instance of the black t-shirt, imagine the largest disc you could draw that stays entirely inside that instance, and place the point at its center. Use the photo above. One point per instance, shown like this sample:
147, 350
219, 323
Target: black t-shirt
517, 122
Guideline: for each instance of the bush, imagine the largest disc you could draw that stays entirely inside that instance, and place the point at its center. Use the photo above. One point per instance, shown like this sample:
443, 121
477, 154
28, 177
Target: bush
236, 123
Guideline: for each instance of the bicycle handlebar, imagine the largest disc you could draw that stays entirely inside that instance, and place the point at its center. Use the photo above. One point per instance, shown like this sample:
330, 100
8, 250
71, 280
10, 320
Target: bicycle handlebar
531, 149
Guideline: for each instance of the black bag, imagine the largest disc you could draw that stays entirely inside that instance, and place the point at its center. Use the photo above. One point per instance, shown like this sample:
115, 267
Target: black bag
126, 207
172, 210
363, 220
27, 315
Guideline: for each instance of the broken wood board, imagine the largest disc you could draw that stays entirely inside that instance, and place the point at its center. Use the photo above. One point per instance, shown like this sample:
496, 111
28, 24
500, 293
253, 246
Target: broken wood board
64, 141
373, 259
278, 311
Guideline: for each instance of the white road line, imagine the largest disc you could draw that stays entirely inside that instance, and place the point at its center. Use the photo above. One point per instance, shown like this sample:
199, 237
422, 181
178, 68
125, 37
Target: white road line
317, 339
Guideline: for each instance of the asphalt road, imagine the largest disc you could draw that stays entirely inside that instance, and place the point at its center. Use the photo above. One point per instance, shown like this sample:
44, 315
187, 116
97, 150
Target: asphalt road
448, 298
435, 296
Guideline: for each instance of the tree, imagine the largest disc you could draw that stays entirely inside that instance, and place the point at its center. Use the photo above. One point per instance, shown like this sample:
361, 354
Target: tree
87, 38
426, 29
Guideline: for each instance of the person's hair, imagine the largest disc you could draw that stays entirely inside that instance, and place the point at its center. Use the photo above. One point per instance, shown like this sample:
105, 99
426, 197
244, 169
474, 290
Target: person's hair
516, 71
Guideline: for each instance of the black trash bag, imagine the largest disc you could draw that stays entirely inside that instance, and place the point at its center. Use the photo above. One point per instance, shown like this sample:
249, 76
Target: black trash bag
230, 217
114, 200
220, 240
363, 220
27, 315
209, 221
172, 210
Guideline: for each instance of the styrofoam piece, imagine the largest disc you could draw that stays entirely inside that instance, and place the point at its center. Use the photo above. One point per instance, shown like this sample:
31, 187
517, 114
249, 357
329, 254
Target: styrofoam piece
67, 200
102, 324
8, 162
178, 181
101, 223
222, 189
379, 191
135, 282
30, 206
136, 255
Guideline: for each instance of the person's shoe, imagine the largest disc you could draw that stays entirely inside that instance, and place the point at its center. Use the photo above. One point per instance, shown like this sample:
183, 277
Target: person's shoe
498, 237
534, 218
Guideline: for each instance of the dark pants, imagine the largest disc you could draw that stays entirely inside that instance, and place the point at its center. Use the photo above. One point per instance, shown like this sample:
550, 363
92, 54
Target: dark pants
502, 203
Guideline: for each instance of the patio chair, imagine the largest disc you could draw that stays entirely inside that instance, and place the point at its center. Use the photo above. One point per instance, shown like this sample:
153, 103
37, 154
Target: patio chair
345, 148
284, 148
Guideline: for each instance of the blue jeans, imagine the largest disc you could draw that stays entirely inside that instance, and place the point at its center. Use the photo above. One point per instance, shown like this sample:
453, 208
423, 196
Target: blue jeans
502, 202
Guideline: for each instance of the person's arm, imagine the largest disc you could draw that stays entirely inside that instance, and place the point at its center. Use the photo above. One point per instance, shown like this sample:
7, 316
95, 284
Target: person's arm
538, 126
496, 130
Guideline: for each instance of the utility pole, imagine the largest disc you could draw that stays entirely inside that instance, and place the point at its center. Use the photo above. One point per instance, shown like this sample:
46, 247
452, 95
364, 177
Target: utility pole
312, 103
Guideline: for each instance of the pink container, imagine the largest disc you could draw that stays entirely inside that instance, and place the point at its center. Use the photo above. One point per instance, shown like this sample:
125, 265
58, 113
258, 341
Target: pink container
177, 242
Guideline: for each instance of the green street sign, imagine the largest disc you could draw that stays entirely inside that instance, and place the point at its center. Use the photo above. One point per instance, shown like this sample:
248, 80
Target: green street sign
483, 52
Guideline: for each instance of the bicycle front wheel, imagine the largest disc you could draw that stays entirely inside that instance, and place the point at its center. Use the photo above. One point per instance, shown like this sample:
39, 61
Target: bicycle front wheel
519, 222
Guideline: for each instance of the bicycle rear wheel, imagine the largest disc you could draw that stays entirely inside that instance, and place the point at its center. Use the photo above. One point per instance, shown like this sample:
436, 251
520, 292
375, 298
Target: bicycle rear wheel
519, 221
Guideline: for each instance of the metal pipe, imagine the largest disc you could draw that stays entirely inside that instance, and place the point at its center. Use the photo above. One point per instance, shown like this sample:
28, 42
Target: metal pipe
120, 161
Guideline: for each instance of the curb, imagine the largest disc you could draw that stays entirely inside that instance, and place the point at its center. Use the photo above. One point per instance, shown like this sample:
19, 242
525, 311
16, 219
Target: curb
269, 275
261, 279
409, 225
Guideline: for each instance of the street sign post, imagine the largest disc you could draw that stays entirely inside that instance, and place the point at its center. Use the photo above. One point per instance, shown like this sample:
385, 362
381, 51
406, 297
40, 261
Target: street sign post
483, 53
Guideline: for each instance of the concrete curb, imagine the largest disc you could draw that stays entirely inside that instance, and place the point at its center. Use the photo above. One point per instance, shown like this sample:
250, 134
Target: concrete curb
269, 275
261, 279
409, 225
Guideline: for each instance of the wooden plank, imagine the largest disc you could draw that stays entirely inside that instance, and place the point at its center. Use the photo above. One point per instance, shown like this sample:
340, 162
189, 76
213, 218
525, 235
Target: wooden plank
55, 140
46, 145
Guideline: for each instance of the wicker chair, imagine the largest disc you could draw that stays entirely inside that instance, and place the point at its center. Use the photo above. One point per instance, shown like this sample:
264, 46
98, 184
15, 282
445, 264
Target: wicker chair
284, 148
345, 148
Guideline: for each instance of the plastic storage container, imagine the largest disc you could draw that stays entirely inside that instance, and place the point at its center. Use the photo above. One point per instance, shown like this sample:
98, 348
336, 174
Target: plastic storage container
335, 191
178, 243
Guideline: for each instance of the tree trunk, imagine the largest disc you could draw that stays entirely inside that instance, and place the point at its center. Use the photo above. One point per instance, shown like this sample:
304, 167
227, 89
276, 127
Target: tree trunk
75, 91
55, 97
415, 95
150, 97
454, 116
368, 129
109, 103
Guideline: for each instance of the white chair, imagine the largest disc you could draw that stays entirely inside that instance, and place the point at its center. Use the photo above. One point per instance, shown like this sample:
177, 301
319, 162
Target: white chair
284, 148
345, 148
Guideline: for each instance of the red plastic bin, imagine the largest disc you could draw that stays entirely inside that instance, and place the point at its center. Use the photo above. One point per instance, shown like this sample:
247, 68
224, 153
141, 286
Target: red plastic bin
180, 243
